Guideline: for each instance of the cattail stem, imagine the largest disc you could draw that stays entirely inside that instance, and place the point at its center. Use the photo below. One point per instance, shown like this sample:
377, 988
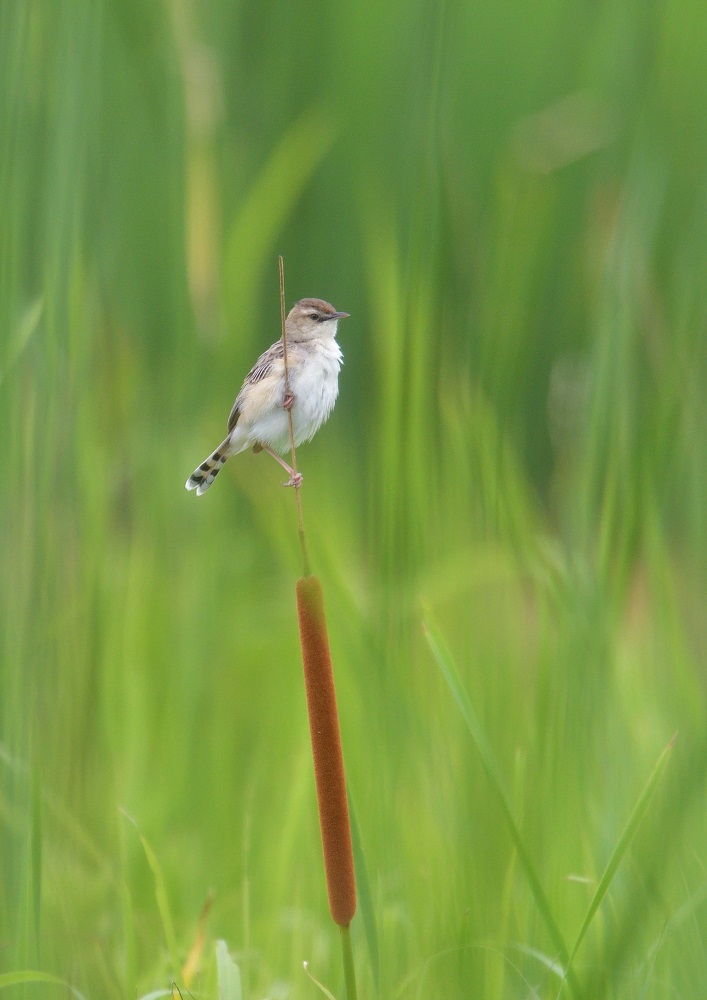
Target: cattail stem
349, 970
328, 758
303, 546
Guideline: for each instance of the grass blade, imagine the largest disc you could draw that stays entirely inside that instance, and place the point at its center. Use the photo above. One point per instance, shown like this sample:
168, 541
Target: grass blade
625, 840
327, 993
451, 675
365, 898
162, 903
17, 978
26, 328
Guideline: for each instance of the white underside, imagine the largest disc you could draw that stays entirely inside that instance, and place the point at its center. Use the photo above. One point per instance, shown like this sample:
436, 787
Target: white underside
315, 387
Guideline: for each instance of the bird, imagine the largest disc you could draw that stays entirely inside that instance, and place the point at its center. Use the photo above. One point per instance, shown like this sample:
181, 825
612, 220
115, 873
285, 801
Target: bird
259, 416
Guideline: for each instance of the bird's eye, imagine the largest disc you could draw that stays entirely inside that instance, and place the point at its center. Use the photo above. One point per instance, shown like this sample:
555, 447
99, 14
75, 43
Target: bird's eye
314, 315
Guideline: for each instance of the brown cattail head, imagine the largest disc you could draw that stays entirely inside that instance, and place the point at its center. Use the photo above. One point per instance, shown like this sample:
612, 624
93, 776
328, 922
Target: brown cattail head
326, 750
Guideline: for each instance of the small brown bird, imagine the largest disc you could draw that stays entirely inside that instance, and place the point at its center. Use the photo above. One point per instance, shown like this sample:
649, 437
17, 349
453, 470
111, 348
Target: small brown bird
259, 417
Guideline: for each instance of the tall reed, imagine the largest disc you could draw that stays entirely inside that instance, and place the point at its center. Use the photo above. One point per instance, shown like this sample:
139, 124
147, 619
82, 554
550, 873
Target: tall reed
324, 729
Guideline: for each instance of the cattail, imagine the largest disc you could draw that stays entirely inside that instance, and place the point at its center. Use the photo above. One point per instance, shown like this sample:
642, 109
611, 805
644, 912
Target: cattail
326, 751
324, 726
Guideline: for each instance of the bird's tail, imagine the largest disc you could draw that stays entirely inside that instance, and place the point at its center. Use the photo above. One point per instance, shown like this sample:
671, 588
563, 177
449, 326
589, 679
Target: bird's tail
203, 476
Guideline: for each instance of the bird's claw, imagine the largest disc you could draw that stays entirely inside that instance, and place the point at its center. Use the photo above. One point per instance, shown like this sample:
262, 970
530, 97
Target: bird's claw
295, 480
287, 402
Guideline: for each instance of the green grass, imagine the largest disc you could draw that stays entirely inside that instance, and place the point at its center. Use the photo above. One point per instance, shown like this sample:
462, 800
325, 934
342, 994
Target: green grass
511, 203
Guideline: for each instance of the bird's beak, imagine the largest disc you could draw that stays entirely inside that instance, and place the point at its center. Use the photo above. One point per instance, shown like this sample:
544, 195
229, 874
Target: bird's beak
339, 316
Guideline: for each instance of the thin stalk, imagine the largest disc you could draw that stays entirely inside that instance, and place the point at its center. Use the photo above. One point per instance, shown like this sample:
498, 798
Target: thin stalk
300, 523
349, 970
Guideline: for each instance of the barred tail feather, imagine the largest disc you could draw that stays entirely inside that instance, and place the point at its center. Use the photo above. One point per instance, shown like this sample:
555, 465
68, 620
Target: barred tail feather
203, 476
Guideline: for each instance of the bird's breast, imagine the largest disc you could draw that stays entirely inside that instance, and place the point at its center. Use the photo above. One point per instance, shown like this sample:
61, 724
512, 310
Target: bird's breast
314, 382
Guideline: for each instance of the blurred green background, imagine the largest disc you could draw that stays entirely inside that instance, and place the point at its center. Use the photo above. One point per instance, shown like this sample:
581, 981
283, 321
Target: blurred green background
511, 201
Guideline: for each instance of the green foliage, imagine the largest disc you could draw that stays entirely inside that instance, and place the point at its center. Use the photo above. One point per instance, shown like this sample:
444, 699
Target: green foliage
511, 203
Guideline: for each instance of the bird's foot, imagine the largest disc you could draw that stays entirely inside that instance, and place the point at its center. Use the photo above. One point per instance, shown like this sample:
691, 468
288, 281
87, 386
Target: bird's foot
287, 402
295, 480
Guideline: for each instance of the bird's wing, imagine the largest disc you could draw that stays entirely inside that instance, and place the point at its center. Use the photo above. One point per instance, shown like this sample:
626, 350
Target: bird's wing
262, 367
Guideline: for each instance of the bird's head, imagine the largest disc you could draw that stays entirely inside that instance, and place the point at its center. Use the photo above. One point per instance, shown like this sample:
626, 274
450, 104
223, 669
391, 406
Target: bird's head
312, 318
